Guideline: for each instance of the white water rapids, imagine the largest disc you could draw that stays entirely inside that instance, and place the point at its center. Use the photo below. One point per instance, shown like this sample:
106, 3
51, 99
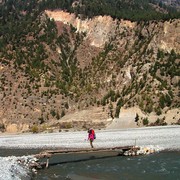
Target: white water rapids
160, 138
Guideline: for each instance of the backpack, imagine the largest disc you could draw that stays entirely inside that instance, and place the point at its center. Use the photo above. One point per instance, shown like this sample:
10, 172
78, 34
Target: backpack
92, 131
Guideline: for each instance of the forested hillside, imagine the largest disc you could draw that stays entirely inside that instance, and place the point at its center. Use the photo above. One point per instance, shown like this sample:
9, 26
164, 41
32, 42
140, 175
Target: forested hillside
50, 68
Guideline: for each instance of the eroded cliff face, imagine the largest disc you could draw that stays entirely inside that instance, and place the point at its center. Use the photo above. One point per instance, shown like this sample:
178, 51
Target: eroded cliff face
171, 36
101, 29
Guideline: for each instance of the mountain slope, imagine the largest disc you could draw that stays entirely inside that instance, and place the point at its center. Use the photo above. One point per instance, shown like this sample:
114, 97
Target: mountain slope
60, 70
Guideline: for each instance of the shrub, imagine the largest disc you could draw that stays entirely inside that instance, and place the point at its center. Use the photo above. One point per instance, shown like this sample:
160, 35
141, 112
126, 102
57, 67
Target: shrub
53, 113
41, 120
35, 129
63, 113
158, 111
137, 118
57, 116
68, 125
66, 105
157, 121
145, 121
117, 111
149, 108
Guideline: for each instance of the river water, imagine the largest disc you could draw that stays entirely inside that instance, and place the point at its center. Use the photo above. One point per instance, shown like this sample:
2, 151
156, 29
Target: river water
164, 164
158, 166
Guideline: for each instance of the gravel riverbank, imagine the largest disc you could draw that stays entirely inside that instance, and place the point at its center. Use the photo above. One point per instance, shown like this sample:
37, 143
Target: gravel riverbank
163, 137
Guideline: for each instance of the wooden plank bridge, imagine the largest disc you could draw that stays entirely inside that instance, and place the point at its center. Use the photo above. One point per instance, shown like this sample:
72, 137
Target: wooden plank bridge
120, 151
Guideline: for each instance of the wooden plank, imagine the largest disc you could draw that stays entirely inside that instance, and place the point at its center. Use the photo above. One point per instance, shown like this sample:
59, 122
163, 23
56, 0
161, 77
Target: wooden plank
49, 153
87, 150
